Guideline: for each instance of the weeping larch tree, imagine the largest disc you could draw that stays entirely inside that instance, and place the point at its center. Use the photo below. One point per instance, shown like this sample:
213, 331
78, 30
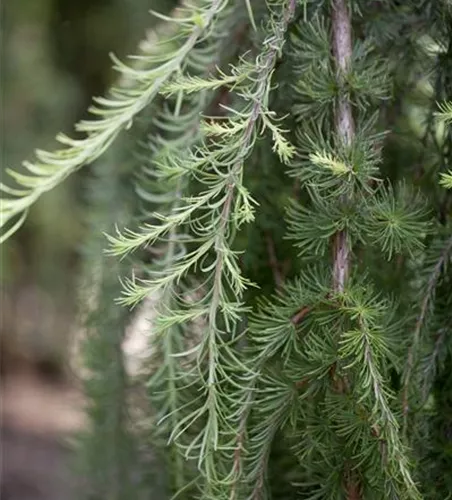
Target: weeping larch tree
281, 214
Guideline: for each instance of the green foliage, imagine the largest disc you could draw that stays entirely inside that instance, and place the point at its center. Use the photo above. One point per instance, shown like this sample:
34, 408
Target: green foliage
446, 116
289, 244
108, 459
112, 114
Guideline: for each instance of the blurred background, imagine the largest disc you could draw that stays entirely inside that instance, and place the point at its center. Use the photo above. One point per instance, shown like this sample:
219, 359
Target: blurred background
54, 59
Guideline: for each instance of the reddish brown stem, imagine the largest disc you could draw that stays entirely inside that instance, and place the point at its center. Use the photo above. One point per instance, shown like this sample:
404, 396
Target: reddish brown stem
273, 261
353, 488
300, 315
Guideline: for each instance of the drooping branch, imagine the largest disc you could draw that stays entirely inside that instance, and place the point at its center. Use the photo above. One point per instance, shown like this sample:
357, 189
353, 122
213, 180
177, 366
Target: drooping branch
426, 302
136, 89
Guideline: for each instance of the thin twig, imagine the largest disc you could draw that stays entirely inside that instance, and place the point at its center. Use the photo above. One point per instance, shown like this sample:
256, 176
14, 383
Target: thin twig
273, 261
300, 315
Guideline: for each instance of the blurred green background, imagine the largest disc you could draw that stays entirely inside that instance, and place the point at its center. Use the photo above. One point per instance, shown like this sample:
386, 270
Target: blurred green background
55, 57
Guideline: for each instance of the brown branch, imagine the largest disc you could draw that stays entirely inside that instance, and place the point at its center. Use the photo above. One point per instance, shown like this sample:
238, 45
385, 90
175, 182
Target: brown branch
299, 316
301, 384
345, 130
342, 51
345, 127
273, 261
341, 267
352, 485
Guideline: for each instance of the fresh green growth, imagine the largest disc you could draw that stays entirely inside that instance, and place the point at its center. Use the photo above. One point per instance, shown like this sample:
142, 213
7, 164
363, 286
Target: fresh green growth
289, 239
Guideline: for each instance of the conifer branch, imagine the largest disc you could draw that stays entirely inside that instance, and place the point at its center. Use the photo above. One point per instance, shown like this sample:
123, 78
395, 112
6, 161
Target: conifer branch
113, 114
109, 458
432, 363
266, 65
317, 364
168, 377
445, 112
276, 399
413, 349
345, 129
219, 168
239, 451
176, 379
446, 180
366, 347
445, 116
